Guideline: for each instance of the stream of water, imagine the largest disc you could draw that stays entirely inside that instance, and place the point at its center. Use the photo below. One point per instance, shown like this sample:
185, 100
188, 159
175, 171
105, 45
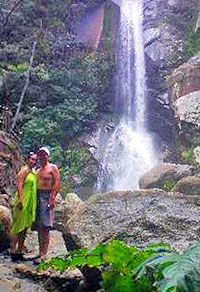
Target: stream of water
130, 150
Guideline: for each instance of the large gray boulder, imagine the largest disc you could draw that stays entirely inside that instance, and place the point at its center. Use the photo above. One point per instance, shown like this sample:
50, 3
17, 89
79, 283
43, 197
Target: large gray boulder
143, 216
189, 185
164, 173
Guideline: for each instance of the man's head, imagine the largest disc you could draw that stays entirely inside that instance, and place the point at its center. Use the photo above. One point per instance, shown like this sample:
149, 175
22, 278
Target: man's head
43, 154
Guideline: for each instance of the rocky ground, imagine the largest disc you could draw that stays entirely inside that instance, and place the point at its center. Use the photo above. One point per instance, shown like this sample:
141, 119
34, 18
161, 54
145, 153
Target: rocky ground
18, 277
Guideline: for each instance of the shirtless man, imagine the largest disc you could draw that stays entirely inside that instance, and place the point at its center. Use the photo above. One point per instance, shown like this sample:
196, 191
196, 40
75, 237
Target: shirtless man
48, 187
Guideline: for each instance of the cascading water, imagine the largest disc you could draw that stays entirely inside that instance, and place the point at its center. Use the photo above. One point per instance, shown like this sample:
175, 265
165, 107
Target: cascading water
130, 149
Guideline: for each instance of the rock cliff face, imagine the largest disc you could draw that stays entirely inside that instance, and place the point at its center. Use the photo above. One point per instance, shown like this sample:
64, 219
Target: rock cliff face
10, 162
167, 25
184, 92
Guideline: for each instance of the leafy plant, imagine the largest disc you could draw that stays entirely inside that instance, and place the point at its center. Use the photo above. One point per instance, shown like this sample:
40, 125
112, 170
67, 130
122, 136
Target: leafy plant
120, 263
127, 268
76, 159
174, 272
192, 43
188, 155
168, 185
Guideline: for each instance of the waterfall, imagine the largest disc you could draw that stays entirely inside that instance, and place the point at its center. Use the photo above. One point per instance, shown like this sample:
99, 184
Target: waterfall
130, 150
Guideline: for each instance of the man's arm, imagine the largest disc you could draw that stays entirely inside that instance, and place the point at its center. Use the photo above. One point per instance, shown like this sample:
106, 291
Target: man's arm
56, 186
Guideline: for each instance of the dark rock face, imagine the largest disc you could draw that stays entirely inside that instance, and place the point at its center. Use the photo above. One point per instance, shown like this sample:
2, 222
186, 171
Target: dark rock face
143, 216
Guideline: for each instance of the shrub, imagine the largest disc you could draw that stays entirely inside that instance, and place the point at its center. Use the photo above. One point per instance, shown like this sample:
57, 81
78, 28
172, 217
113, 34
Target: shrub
129, 269
188, 155
120, 262
168, 185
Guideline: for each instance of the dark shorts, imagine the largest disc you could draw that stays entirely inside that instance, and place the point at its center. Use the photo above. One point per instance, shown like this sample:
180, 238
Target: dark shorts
45, 215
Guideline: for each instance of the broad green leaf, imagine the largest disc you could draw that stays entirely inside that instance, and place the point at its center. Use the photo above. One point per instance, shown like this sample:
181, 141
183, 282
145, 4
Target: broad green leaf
95, 257
158, 247
155, 261
119, 255
115, 282
78, 257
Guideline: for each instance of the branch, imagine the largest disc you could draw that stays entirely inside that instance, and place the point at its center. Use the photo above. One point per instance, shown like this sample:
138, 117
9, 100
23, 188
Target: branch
10, 12
25, 86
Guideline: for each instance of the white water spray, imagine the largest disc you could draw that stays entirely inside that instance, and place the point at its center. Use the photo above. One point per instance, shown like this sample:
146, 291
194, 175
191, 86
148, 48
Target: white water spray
130, 150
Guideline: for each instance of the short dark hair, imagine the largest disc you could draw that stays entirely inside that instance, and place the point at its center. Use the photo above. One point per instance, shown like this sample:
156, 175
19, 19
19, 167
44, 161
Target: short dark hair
30, 154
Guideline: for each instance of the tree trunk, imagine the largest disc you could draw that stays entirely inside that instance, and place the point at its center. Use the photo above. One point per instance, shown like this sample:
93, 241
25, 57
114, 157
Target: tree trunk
25, 86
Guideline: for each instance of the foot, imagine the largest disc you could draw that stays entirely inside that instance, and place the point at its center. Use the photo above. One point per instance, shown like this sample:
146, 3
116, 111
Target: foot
38, 260
17, 257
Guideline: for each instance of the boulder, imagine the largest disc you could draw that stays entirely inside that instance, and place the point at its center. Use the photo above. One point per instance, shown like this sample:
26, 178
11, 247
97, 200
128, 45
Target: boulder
72, 204
189, 185
10, 285
141, 216
196, 152
162, 173
185, 79
58, 212
187, 108
5, 224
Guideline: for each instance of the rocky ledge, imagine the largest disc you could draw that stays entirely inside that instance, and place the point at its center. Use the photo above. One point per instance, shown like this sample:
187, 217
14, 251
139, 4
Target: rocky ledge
140, 216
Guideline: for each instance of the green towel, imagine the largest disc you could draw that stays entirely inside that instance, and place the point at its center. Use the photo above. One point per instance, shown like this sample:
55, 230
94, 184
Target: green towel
25, 218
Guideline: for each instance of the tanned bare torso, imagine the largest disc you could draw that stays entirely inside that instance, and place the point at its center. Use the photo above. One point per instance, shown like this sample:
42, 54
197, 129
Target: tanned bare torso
46, 176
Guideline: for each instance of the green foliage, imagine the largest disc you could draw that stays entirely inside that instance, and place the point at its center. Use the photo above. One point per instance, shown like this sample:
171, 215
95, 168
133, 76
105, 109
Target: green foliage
168, 185
120, 262
192, 44
188, 155
76, 95
175, 272
69, 86
76, 159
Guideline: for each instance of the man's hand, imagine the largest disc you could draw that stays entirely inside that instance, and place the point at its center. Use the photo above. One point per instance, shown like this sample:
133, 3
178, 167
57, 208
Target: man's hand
52, 202
51, 205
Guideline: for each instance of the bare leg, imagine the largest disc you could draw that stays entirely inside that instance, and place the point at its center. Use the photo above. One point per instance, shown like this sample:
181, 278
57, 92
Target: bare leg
13, 243
43, 241
21, 239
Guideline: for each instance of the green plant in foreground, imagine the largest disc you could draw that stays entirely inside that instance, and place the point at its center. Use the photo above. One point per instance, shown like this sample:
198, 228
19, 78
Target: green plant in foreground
127, 268
119, 262
174, 272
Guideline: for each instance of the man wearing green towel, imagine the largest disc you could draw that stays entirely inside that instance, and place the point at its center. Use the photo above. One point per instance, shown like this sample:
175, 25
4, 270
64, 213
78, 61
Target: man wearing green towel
48, 178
